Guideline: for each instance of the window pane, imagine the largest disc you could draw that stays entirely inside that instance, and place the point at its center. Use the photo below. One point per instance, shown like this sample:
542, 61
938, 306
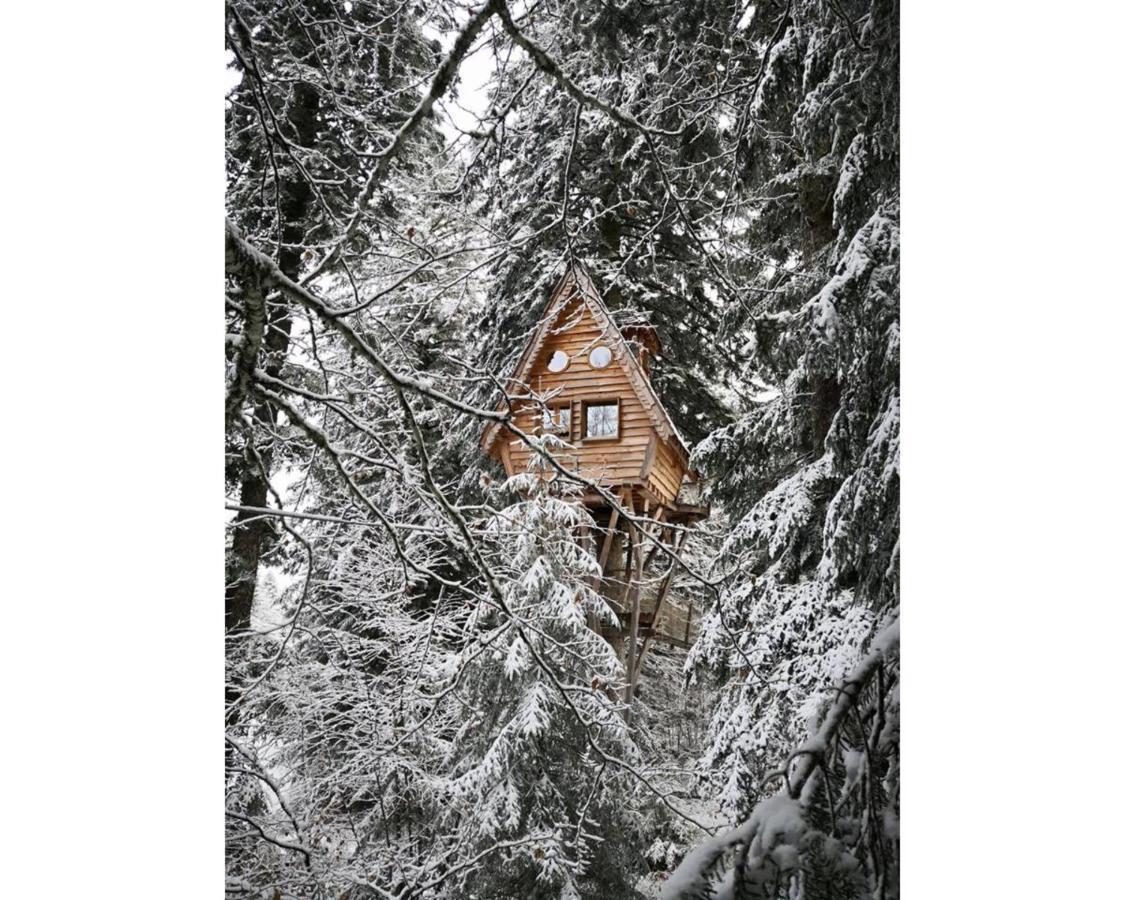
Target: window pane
601, 419
600, 357
563, 418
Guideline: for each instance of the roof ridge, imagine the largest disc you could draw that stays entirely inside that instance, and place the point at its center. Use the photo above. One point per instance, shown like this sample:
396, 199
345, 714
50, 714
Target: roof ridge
589, 294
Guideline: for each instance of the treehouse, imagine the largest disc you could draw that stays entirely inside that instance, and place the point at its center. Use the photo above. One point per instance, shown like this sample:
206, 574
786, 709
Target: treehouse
586, 381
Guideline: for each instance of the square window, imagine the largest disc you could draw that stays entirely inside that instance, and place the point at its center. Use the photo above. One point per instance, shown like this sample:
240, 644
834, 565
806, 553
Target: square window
556, 420
600, 419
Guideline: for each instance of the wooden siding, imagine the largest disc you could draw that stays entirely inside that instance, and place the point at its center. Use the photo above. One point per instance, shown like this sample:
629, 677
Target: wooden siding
667, 472
610, 461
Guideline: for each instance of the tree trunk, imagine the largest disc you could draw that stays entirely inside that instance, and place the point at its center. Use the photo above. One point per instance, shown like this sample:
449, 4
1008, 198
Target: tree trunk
252, 535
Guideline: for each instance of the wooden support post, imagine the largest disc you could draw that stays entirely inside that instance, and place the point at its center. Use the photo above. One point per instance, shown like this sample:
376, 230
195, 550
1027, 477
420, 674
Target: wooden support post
661, 533
633, 596
665, 583
584, 536
607, 543
632, 669
584, 541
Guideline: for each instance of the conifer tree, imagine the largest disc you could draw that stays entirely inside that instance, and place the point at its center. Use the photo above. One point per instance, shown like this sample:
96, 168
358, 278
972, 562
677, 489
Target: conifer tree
321, 88
638, 204
809, 472
538, 760
426, 711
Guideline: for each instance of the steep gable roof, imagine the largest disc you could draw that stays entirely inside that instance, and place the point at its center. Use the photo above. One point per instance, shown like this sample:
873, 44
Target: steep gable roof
576, 282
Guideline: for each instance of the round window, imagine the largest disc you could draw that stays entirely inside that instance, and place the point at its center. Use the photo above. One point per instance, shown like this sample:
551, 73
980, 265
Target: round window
558, 361
600, 357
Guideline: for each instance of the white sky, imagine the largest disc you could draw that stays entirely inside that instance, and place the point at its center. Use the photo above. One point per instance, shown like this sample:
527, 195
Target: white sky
472, 80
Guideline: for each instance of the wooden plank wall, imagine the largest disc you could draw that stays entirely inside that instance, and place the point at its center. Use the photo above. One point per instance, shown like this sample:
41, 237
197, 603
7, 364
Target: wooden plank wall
609, 461
667, 472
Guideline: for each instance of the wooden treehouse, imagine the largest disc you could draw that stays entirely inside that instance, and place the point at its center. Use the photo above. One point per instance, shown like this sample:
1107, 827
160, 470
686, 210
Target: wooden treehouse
585, 380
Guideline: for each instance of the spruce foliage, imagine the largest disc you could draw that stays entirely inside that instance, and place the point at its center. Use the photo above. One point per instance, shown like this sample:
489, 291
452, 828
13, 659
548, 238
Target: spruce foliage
419, 705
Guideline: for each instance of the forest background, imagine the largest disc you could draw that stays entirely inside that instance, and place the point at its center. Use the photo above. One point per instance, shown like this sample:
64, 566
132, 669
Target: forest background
985, 445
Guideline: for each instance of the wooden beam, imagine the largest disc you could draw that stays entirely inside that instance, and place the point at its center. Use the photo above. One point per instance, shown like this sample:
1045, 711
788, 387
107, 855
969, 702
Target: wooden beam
688, 513
663, 536
632, 671
661, 593
607, 543
584, 541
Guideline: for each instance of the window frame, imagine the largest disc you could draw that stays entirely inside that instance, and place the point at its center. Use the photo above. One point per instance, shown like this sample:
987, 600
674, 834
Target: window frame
566, 365
556, 408
590, 357
600, 401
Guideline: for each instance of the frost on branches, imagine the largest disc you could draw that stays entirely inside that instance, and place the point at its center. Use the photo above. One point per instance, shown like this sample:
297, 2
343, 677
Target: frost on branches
417, 705
812, 566
537, 760
810, 475
831, 830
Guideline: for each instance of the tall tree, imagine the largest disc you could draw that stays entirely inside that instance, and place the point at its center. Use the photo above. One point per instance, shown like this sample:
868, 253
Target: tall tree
540, 762
607, 153
429, 701
810, 472
322, 87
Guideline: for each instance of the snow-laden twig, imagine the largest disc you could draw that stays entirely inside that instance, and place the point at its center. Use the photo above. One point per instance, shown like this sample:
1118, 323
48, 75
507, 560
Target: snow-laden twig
781, 814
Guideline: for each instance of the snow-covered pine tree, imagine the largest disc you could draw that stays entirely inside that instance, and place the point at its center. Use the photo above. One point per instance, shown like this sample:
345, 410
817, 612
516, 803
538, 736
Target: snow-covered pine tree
830, 831
321, 89
325, 689
736, 182
342, 712
539, 776
810, 471
639, 204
